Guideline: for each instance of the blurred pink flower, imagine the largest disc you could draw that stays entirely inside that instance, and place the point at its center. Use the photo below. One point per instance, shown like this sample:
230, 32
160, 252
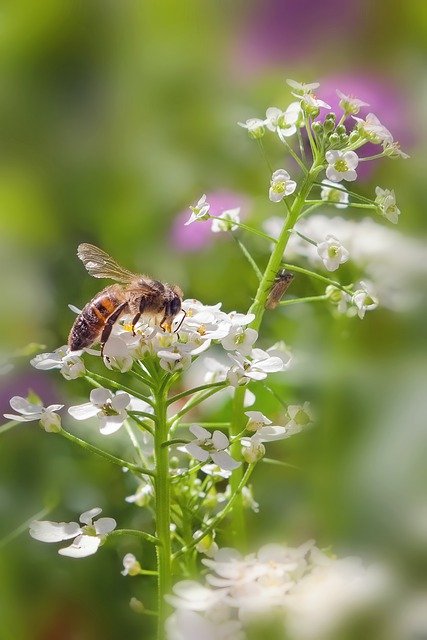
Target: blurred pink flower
386, 100
276, 30
199, 235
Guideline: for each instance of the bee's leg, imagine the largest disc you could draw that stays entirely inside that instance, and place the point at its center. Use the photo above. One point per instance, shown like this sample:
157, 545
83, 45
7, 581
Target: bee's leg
166, 314
142, 306
109, 325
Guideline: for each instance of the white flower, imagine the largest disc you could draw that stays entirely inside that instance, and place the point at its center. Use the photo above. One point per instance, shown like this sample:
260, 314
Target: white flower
300, 417
189, 595
254, 126
386, 201
256, 420
70, 364
109, 409
240, 339
341, 165
207, 544
28, 411
226, 221
372, 129
248, 500
283, 122
281, 185
189, 625
118, 351
200, 211
349, 104
258, 368
311, 104
338, 297
330, 194
302, 88
332, 253
330, 593
131, 566
88, 537
363, 300
142, 496
212, 446
393, 150
252, 449
216, 472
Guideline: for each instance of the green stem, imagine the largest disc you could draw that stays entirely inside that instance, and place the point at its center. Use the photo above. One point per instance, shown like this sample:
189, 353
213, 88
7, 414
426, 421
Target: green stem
316, 276
307, 299
8, 425
220, 516
138, 534
104, 454
294, 155
195, 401
190, 392
338, 188
24, 526
163, 516
238, 419
248, 257
247, 228
258, 306
96, 380
354, 205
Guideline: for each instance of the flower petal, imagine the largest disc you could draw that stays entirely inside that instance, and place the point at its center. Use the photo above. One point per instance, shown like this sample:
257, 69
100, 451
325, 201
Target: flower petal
197, 452
224, 460
100, 396
220, 440
105, 525
111, 424
82, 547
87, 516
83, 411
47, 531
200, 432
23, 406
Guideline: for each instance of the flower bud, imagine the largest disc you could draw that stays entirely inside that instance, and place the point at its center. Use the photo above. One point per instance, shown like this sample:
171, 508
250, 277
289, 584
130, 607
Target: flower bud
317, 128
329, 125
343, 139
334, 139
354, 136
253, 450
341, 129
51, 422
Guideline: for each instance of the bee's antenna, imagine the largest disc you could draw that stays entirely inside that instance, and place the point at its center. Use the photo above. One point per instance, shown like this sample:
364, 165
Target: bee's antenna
182, 320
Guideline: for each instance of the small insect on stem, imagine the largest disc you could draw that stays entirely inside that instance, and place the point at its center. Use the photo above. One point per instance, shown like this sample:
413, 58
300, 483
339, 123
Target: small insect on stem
280, 285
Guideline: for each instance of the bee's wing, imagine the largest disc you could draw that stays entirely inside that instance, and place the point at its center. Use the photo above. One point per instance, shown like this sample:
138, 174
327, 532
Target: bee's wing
101, 265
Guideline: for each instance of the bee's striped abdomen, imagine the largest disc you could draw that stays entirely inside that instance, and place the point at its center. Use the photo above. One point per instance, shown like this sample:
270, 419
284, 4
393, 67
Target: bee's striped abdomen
91, 321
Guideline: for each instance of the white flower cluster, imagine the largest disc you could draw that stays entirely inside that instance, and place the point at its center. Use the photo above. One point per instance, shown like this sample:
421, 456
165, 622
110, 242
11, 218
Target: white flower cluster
311, 593
393, 263
202, 326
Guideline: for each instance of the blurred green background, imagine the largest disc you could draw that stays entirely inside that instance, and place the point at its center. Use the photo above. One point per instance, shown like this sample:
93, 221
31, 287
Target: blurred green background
114, 117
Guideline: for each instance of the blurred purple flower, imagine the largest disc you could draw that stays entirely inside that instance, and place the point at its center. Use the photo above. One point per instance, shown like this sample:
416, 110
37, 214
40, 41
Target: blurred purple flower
385, 100
20, 383
198, 235
275, 30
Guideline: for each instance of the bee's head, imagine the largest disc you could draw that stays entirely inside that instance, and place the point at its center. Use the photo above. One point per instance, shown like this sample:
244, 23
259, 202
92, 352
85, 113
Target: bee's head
174, 306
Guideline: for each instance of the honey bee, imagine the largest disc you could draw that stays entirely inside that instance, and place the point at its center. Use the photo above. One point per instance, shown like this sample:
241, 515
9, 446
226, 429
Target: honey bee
281, 283
136, 294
